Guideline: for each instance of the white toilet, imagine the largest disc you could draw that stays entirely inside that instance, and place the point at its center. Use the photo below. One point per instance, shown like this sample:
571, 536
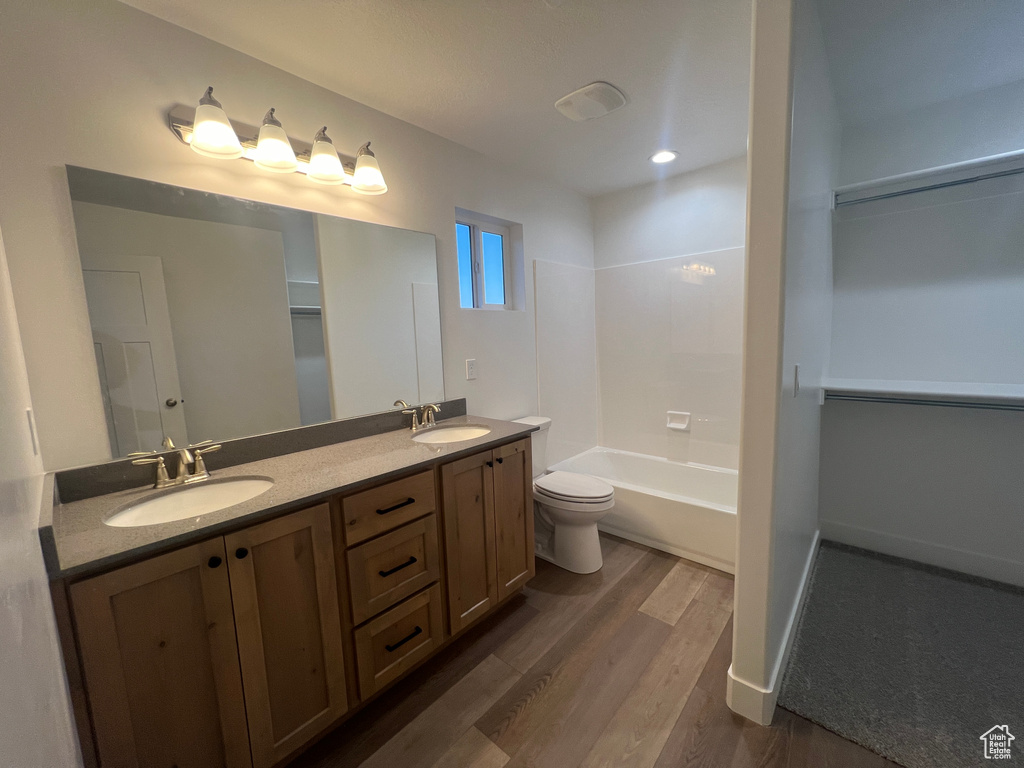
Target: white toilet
567, 509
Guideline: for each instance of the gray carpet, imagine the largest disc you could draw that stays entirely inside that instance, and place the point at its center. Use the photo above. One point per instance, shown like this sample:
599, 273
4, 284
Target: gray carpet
912, 662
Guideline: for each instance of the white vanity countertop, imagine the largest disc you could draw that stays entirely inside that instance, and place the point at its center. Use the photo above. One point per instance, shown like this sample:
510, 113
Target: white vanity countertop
81, 543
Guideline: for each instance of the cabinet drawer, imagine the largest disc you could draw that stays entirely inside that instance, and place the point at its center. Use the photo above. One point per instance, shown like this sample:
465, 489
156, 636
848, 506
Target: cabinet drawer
387, 570
394, 642
387, 506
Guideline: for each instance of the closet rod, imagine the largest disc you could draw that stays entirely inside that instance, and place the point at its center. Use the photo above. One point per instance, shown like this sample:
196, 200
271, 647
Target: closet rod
927, 187
974, 404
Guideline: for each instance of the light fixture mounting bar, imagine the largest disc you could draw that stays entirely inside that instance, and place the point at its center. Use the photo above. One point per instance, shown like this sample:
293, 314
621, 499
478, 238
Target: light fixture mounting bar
181, 119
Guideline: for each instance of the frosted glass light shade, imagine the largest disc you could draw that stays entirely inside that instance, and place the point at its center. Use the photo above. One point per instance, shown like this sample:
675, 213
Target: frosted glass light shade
273, 150
324, 164
212, 134
367, 179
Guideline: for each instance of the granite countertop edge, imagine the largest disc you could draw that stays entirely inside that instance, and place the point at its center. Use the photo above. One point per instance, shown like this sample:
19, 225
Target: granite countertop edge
77, 543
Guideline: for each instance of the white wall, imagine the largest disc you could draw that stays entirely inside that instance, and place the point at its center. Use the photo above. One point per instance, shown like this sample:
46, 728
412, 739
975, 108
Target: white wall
703, 210
566, 357
35, 729
981, 124
228, 301
669, 337
930, 286
90, 84
793, 164
813, 168
939, 485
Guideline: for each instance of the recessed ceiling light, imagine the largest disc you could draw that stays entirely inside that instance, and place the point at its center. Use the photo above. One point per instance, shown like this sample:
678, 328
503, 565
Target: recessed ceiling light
664, 156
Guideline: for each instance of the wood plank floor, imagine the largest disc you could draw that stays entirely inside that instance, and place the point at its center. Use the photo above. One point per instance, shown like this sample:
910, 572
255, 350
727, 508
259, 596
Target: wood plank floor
624, 668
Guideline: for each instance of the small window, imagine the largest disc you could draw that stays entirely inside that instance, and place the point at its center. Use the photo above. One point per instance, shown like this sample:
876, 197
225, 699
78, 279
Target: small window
484, 252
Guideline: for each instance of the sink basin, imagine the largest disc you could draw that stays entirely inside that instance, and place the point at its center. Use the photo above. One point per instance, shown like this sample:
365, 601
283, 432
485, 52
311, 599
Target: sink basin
451, 434
189, 501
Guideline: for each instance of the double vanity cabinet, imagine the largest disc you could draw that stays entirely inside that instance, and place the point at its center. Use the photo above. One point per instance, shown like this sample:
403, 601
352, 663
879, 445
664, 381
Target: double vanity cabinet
241, 649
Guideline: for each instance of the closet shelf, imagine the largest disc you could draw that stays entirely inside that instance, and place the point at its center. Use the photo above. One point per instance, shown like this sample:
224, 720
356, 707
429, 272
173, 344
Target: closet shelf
931, 390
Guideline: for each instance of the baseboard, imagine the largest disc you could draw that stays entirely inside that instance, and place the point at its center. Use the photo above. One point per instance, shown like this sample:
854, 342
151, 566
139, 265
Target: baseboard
697, 557
751, 700
941, 555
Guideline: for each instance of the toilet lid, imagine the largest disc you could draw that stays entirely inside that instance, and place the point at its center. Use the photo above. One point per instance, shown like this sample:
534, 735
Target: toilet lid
571, 486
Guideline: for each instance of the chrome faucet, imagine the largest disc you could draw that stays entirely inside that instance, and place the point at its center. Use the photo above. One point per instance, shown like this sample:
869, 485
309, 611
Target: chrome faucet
427, 414
416, 424
184, 459
422, 416
200, 472
186, 456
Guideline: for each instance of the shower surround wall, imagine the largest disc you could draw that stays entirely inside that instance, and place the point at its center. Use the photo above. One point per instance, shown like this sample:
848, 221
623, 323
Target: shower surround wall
669, 261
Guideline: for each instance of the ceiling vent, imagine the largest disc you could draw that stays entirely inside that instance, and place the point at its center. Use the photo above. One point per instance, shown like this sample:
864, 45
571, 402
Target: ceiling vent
590, 101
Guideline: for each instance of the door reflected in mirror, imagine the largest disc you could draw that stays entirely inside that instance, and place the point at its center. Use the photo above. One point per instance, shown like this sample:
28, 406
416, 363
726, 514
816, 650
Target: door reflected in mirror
216, 317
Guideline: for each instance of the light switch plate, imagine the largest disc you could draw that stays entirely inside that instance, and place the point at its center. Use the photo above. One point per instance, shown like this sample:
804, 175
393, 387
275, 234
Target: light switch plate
471, 369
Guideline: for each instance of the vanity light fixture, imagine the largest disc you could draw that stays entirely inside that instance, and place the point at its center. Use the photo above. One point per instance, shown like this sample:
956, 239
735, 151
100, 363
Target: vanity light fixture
212, 134
663, 156
273, 150
368, 179
324, 164
208, 131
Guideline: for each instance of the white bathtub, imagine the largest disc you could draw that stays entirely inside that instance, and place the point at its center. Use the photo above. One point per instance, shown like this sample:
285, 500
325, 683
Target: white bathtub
685, 509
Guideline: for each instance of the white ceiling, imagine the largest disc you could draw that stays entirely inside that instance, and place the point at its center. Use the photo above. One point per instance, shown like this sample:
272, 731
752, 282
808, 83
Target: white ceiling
890, 56
486, 73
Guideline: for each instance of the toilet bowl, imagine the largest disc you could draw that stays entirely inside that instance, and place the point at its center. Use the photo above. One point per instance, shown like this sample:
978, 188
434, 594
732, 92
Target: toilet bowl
571, 505
567, 508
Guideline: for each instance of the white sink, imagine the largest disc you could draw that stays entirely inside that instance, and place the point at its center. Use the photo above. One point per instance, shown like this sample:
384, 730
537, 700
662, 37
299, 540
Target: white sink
451, 434
189, 501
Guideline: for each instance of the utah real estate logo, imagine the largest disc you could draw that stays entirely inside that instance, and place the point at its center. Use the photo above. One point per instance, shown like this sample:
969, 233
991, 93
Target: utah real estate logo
997, 742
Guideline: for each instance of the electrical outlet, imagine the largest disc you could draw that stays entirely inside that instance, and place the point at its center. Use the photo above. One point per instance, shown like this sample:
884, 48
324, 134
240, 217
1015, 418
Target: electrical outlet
471, 369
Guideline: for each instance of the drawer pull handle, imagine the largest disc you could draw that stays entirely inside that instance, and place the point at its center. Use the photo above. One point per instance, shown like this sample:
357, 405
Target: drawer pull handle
397, 568
404, 640
399, 505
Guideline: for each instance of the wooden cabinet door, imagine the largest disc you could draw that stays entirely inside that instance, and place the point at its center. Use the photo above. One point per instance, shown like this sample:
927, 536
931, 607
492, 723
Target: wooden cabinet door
161, 666
285, 593
513, 516
467, 488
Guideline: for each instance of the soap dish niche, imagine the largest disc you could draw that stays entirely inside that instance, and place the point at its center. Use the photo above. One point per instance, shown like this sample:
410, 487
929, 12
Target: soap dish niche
678, 421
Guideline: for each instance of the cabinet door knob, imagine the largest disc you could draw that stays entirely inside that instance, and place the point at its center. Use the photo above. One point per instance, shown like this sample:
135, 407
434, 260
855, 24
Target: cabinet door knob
241, 552
500, 460
214, 561
170, 402
490, 463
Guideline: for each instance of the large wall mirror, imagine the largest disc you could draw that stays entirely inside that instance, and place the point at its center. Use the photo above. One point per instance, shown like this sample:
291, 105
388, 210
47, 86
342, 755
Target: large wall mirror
215, 317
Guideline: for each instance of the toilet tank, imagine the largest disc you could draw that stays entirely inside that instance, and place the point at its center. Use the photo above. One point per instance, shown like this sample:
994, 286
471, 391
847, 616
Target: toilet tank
539, 440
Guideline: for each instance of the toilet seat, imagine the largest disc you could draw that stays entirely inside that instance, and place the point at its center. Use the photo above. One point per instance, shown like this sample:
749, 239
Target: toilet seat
571, 487
576, 505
